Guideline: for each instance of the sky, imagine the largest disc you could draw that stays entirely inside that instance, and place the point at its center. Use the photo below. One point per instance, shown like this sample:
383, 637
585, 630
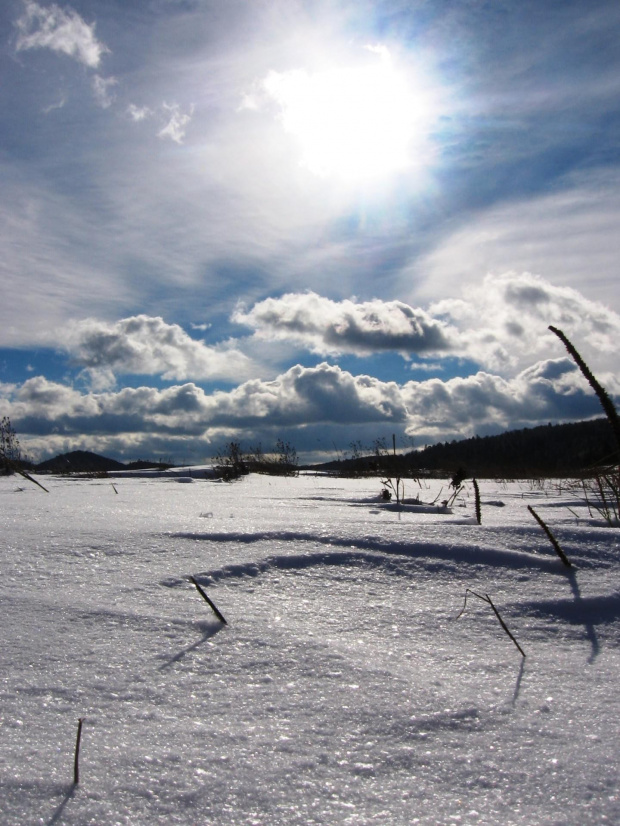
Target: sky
321, 222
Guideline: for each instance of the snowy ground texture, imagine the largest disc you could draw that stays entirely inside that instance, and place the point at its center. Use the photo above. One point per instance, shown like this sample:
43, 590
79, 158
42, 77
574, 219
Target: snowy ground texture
343, 690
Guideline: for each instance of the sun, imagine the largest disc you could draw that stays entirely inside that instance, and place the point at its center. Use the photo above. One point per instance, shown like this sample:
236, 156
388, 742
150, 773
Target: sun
354, 123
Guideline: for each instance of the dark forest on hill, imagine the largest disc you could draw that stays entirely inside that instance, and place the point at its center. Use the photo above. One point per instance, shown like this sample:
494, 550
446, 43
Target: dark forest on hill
548, 450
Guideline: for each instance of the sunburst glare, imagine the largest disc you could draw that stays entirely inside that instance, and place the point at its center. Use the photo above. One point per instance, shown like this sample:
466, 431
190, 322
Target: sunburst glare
355, 123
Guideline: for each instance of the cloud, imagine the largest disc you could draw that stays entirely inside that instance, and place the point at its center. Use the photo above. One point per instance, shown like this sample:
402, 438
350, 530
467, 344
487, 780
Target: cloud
503, 322
237, 217
569, 236
309, 395
61, 30
47, 413
326, 326
300, 401
139, 113
551, 390
146, 345
53, 242
177, 122
53, 106
237, 210
102, 87
240, 201
39, 398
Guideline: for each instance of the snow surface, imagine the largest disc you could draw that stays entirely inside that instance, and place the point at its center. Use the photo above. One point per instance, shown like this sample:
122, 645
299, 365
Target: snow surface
343, 690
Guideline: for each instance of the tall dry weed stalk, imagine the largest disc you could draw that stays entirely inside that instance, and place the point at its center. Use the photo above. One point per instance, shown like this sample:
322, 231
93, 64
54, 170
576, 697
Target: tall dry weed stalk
554, 542
477, 501
602, 493
605, 484
603, 396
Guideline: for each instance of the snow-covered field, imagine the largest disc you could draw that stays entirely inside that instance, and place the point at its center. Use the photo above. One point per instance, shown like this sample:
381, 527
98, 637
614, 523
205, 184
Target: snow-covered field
343, 690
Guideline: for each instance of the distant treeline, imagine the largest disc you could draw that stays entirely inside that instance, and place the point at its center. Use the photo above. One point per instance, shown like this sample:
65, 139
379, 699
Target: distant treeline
547, 450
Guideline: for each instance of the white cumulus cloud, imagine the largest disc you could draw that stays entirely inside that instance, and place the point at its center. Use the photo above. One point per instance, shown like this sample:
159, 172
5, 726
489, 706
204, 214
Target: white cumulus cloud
309, 395
296, 402
500, 323
146, 345
325, 326
551, 390
503, 321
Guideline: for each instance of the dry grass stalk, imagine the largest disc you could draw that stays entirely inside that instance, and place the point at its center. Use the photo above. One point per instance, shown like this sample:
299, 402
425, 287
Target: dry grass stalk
552, 539
609, 489
603, 397
486, 598
477, 499
27, 476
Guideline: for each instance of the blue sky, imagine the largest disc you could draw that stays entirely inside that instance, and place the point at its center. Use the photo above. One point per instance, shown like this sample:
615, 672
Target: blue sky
318, 221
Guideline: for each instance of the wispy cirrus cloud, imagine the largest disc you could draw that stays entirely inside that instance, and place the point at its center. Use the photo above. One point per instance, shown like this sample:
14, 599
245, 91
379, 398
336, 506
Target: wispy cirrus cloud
62, 30
568, 235
53, 106
103, 90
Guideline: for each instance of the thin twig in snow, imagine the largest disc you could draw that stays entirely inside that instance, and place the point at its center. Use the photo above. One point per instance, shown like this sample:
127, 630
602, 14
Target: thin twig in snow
487, 598
209, 602
76, 760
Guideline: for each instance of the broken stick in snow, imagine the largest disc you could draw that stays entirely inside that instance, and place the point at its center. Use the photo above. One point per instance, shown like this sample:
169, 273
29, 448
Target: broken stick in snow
76, 761
209, 601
